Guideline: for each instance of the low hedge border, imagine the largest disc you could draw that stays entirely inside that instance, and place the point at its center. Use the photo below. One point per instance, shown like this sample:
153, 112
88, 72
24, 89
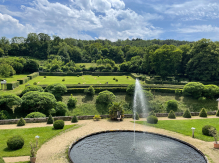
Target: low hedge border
23, 80
97, 89
12, 85
33, 75
60, 74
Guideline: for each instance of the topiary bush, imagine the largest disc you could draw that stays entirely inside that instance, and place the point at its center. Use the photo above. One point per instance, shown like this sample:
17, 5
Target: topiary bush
205, 130
58, 124
63, 79
90, 91
2, 160
194, 89
152, 113
15, 142
152, 119
61, 108
114, 78
36, 115
203, 113
74, 119
172, 105
32, 88
21, 122
72, 101
35, 83
187, 114
172, 115
136, 117
217, 113
50, 120
97, 117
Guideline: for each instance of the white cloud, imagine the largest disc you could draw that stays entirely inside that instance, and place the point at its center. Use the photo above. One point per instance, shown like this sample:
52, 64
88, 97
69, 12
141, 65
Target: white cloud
198, 28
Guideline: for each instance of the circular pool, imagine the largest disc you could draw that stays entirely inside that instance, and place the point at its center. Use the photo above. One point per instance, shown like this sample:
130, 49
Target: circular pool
117, 146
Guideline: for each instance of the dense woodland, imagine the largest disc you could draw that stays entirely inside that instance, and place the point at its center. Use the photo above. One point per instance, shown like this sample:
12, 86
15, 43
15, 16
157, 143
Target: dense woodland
197, 60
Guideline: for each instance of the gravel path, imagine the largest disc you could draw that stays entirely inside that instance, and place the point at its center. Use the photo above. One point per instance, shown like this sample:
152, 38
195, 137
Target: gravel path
54, 151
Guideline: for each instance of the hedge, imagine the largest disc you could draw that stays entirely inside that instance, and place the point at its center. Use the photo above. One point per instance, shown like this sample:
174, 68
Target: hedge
33, 75
162, 90
163, 86
98, 89
60, 74
164, 82
109, 73
12, 85
134, 76
23, 80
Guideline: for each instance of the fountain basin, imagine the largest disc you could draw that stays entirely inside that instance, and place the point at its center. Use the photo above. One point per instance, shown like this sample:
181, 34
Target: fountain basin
117, 146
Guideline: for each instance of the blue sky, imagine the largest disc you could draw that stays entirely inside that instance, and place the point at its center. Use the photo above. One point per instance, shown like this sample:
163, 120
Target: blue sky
188, 20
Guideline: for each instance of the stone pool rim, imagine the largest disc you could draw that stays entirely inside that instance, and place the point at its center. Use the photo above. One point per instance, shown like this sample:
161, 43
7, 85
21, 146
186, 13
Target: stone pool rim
108, 131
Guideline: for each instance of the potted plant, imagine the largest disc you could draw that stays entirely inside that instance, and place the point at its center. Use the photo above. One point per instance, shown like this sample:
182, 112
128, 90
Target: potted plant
33, 150
215, 134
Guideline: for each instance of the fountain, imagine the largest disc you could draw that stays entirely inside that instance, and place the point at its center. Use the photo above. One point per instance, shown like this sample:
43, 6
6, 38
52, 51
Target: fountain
118, 146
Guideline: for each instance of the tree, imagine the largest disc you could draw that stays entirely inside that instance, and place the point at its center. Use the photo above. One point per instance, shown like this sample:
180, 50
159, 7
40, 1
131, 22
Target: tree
32, 88
193, 89
57, 90
165, 60
72, 102
114, 108
204, 61
61, 108
1, 52
210, 91
6, 70
90, 91
35, 101
103, 101
31, 66
172, 105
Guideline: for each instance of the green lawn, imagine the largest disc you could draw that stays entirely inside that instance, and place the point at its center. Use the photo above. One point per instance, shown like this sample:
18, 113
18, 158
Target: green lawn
45, 133
87, 65
184, 126
15, 77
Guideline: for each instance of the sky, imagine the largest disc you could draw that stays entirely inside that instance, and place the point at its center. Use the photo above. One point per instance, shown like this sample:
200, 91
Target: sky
189, 20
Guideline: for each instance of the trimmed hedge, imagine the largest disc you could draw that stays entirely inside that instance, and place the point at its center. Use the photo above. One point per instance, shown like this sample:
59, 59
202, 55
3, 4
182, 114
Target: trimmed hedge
15, 142
152, 119
50, 120
187, 114
172, 115
203, 113
33, 75
23, 80
60, 74
74, 119
205, 130
35, 115
12, 85
162, 90
109, 73
21, 122
134, 76
97, 90
59, 124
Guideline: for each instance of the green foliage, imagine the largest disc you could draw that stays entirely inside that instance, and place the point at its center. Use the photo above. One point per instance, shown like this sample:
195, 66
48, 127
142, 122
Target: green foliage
205, 130
35, 83
61, 108
74, 119
72, 102
4, 115
172, 105
152, 113
178, 92
21, 122
217, 113
57, 90
187, 114
15, 142
12, 85
6, 70
149, 96
36, 115
97, 117
114, 78
90, 91
135, 116
201, 98
50, 120
172, 115
152, 119
58, 124
1, 159
203, 113
130, 89
9, 100
33, 75
103, 101
210, 91
63, 79
32, 88
114, 109
193, 89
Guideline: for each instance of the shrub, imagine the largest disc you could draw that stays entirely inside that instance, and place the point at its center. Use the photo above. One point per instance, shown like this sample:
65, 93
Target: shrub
178, 92
79, 83
172, 105
52, 112
61, 108
217, 113
205, 130
187, 114
72, 102
114, 109
4, 115
15, 142
117, 80
58, 124
77, 75
148, 95
44, 76
136, 117
57, 90
171, 115
21, 122
63, 79
193, 89
35, 83
90, 91
210, 91
74, 119
127, 77
202, 98
2, 160
152, 119
130, 89
114, 78
97, 117
50, 120
152, 113
32, 88
36, 115
203, 113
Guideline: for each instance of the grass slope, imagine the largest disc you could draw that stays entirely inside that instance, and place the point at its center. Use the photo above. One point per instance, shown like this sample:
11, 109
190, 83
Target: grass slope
184, 126
45, 133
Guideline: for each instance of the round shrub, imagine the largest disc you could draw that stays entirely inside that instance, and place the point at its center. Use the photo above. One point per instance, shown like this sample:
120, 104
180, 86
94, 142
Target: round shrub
136, 117
194, 89
205, 130
172, 105
58, 124
61, 108
50, 120
15, 142
74, 119
114, 78
172, 115
21, 122
217, 114
187, 114
32, 88
2, 160
203, 113
36, 115
63, 79
35, 83
152, 119
44, 76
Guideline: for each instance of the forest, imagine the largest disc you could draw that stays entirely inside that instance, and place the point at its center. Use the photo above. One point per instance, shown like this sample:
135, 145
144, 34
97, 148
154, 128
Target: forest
195, 60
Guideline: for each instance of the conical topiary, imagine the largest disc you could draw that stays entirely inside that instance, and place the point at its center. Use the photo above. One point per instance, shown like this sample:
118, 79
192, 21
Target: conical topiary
203, 113
50, 120
172, 115
217, 114
74, 119
136, 116
187, 114
21, 122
